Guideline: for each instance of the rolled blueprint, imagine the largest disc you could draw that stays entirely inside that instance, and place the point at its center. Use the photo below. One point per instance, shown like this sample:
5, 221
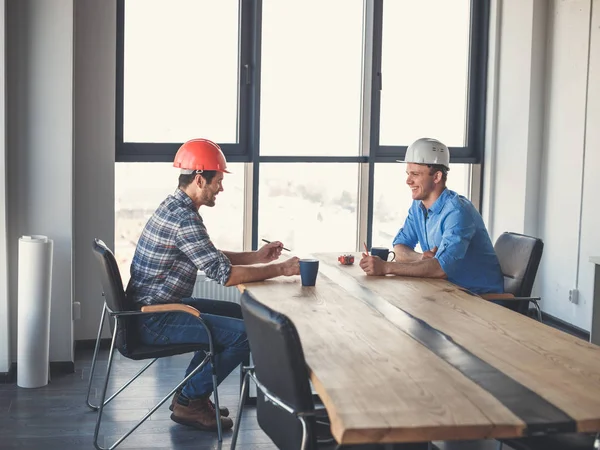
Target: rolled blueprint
33, 310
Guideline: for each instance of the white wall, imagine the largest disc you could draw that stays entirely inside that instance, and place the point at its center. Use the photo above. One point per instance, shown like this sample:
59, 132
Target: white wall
563, 163
5, 349
547, 144
40, 149
590, 218
94, 156
61, 58
511, 190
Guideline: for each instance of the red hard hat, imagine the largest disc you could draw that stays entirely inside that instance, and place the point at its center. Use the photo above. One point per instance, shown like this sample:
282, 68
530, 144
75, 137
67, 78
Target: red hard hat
200, 154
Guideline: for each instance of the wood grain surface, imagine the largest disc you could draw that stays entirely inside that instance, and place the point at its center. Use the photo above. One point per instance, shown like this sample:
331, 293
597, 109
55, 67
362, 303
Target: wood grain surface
379, 384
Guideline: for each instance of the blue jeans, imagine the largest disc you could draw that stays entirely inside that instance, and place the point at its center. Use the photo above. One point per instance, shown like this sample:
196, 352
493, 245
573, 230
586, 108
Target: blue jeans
224, 320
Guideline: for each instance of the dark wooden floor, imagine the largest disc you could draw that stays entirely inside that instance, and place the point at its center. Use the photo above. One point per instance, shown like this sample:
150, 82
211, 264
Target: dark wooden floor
56, 417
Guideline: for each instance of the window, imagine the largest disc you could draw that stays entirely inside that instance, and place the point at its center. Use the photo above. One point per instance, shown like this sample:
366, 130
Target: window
309, 207
311, 80
180, 70
425, 55
141, 187
315, 99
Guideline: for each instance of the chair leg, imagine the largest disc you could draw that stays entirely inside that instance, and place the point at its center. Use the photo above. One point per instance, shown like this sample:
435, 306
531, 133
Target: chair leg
205, 361
103, 396
244, 363
243, 393
211, 356
304, 444
87, 400
216, 395
539, 310
93, 369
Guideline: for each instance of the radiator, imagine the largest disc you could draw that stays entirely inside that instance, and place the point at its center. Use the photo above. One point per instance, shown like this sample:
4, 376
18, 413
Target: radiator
210, 289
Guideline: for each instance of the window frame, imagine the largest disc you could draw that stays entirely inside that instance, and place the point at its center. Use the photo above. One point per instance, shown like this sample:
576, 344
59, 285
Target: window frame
371, 152
246, 96
472, 152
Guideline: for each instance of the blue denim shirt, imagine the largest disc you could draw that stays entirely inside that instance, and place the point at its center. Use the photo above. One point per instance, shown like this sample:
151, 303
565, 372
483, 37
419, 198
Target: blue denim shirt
465, 251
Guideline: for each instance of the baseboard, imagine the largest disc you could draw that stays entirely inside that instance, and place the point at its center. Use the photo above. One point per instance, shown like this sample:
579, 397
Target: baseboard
90, 344
10, 376
565, 326
56, 368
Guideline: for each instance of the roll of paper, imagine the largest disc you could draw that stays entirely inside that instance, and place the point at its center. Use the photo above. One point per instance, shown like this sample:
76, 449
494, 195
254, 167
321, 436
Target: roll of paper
33, 310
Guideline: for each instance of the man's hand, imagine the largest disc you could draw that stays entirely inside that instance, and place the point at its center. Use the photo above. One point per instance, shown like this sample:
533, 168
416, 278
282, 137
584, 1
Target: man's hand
291, 267
429, 253
372, 265
269, 252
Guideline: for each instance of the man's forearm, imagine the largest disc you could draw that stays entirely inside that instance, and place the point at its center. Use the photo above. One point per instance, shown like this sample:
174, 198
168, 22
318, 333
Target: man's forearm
241, 258
247, 274
406, 254
428, 268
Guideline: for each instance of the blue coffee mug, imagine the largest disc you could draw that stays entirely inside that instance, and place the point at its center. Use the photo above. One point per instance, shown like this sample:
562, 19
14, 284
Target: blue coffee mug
309, 268
382, 252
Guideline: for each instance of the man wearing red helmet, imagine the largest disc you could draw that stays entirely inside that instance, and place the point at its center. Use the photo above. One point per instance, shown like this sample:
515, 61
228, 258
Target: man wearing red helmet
173, 246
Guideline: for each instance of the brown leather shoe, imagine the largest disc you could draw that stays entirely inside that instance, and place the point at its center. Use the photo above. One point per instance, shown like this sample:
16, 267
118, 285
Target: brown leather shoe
198, 413
222, 409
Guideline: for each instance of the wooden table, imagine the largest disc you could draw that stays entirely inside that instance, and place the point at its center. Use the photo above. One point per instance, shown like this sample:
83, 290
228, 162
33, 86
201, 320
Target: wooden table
398, 359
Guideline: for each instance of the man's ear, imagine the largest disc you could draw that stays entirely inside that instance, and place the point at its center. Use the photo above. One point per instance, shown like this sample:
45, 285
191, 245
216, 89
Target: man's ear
437, 177
200, 180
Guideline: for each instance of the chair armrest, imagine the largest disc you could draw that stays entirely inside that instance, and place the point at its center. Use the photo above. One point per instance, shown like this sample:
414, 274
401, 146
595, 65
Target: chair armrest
497, 296
320, 411
171, 307
508, 297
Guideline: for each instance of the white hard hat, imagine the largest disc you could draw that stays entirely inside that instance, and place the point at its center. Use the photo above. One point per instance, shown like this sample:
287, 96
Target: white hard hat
427, 151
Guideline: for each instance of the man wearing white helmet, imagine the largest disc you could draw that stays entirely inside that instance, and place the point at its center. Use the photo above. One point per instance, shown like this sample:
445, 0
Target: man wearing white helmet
451, 232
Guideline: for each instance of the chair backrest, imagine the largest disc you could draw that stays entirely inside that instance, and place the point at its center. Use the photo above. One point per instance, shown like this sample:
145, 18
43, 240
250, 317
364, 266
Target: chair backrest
280, 366
519, 257
114, 296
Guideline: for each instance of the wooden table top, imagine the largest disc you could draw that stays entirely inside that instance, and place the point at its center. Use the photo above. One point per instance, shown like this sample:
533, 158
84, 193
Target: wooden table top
398, 359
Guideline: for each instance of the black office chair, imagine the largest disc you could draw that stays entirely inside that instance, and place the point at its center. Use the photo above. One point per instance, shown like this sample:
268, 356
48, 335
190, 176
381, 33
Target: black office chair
519, 256
286, 411
566, 441
125, 339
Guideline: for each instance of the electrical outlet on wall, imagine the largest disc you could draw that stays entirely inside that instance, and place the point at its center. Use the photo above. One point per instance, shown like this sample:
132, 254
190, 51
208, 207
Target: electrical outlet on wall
76, 310
574, 296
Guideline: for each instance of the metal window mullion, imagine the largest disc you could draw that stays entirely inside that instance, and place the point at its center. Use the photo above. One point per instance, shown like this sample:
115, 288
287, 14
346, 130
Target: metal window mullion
491, 126
477, 106
120, 77
365, 129
245, 74
255, 18
477, 80
313, 159
371, 101
249, 212
475, 178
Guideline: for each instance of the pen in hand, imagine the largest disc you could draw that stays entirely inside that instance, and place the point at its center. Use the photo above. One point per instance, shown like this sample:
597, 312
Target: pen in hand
268, 242
366, 249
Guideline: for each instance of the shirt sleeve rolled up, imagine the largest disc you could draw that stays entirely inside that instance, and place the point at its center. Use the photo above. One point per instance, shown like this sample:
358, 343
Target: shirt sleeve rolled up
407, 235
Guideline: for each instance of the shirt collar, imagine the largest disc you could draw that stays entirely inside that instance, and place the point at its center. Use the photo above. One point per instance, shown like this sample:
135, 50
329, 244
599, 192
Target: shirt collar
438, 205
184, 198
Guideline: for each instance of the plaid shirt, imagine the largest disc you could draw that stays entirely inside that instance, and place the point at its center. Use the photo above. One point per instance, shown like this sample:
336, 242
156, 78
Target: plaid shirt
171, 249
